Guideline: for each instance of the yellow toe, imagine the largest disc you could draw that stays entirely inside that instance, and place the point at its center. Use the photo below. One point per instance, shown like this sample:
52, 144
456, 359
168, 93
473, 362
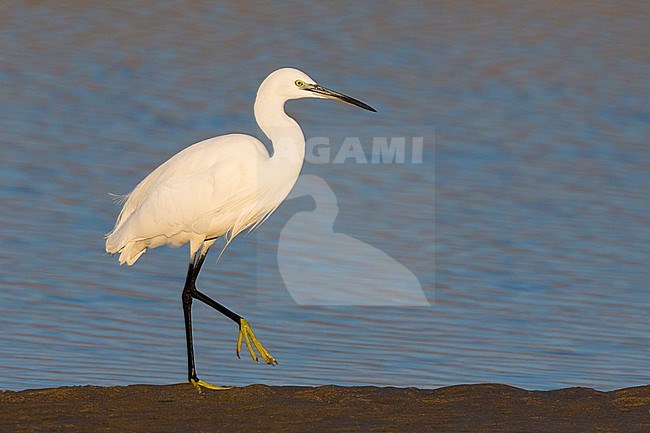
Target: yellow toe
247, 335
199, 384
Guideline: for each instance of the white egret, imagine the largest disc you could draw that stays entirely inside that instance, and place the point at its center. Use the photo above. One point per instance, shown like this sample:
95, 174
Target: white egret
220, 187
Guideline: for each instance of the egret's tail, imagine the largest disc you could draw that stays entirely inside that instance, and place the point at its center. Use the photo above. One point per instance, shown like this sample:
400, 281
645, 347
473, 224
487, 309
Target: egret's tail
129, 251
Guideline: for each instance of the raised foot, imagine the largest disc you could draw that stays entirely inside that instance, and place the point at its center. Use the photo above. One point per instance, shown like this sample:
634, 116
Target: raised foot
246, 333
198, 384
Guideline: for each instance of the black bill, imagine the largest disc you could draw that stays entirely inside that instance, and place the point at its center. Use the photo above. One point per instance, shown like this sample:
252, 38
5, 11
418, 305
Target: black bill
331, 94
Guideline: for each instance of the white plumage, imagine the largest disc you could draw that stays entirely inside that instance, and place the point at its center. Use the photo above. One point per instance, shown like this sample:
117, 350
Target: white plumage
220, 187
202, 192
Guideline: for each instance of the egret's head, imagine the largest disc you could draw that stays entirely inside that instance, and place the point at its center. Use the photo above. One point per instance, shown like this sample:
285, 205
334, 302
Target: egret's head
289, 83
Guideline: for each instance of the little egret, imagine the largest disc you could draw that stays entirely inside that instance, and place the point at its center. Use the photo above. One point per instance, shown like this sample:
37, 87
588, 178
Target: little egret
220, 187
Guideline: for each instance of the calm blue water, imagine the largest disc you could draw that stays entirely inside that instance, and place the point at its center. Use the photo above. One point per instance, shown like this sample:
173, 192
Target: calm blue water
526, 223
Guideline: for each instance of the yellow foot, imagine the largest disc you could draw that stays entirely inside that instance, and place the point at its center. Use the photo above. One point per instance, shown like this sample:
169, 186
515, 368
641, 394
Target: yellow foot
198, 383
246, 333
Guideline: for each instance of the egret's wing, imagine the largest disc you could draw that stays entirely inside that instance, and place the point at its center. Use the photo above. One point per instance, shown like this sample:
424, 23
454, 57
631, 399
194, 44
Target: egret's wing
192, 160
178, 201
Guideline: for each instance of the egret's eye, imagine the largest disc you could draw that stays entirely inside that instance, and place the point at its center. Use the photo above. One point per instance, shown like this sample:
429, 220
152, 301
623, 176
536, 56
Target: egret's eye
299, 83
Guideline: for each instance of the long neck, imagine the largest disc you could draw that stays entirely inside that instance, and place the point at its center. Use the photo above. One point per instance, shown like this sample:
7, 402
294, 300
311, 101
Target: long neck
284, 132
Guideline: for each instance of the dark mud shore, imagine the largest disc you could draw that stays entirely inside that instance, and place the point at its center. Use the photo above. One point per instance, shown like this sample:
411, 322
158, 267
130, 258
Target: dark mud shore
256, 408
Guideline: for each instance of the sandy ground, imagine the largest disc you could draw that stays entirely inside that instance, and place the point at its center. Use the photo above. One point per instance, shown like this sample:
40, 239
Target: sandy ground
462, 408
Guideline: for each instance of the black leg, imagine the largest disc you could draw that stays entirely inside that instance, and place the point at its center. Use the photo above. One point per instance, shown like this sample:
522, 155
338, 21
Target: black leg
217, 306
245, 331
200, 296
187, 312
190, 292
